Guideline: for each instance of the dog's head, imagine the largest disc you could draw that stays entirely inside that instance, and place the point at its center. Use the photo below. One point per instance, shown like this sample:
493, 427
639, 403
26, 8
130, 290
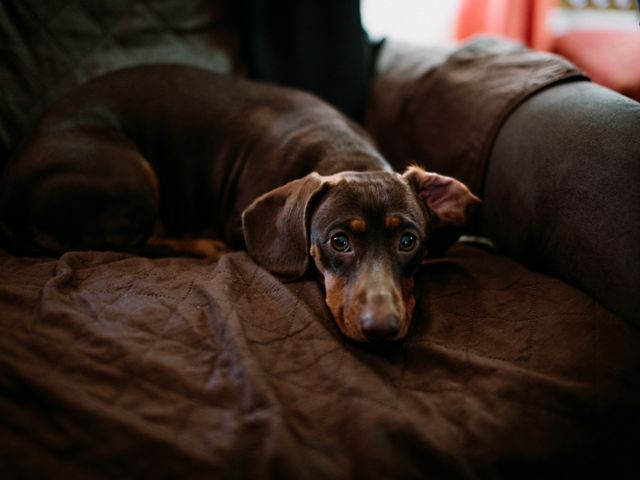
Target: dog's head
366, 232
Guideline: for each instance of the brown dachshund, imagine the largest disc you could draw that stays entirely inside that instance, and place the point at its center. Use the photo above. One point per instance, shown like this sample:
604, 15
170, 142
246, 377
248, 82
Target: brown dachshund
269, 168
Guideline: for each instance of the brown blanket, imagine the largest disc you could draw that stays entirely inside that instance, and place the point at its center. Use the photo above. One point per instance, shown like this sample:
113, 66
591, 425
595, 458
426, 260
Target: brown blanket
112, 366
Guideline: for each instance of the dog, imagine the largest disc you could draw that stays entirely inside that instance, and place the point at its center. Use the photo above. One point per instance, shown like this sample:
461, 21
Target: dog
151, 154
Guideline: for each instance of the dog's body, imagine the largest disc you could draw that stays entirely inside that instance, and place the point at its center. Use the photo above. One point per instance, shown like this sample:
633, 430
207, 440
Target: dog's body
273, 167
214, 144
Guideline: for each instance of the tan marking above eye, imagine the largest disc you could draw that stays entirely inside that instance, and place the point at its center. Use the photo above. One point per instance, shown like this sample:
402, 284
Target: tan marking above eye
357, 225
392, 222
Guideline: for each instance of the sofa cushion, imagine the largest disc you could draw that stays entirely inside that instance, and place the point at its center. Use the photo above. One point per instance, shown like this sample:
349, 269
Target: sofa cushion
610, 57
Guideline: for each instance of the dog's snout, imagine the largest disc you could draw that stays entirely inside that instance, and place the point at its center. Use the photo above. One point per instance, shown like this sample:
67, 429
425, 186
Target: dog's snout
376, 326
379, 299
380, 314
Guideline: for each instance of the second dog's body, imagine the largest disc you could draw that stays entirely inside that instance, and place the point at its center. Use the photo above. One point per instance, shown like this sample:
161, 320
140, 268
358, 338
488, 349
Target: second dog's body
274, 168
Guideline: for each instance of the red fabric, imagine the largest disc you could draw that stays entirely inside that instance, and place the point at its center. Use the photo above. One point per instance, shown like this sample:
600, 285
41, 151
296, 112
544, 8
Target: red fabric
611, 58
523, 20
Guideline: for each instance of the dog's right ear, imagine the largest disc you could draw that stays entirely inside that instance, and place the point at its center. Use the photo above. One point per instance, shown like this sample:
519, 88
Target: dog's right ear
448, 202
276, 227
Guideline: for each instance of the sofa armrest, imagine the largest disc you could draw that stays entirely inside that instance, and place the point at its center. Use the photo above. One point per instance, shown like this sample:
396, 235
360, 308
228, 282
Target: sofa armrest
562, 191
555, 158
441, 108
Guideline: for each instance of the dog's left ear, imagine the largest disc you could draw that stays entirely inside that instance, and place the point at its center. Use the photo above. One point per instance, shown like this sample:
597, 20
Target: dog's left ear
275, 227
448, 202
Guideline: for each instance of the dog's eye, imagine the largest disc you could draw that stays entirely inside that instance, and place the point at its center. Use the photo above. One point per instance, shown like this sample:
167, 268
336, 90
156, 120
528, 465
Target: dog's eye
340, 242
408, 242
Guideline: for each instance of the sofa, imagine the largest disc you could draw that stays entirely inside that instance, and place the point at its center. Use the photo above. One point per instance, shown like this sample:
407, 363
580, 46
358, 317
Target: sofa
523, 360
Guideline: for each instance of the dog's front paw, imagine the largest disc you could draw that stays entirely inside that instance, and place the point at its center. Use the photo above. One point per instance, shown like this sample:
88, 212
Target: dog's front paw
197, 247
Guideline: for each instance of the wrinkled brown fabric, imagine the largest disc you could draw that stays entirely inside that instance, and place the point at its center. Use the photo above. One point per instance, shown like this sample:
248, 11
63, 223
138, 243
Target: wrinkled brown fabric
123, 366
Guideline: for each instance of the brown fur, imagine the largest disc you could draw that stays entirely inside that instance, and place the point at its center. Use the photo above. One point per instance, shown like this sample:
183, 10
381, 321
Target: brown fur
409, 301
203, 247
357, 225
337, 301
391, 222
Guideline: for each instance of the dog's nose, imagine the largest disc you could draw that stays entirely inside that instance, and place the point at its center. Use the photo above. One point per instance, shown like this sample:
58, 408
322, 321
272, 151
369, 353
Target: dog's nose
380, 327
